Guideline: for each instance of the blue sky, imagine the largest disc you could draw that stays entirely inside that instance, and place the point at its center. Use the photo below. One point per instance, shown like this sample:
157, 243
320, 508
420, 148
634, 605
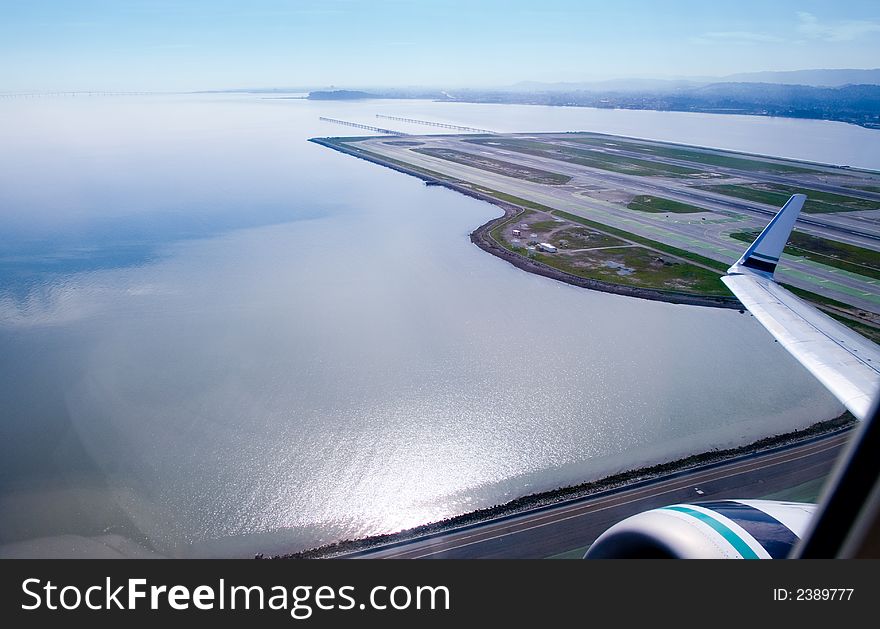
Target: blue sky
211, 44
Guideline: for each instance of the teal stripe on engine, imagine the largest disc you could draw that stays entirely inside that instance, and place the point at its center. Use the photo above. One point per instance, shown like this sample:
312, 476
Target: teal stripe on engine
722, 529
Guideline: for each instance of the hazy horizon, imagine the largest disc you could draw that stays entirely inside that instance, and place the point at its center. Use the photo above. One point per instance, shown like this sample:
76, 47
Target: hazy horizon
134, 45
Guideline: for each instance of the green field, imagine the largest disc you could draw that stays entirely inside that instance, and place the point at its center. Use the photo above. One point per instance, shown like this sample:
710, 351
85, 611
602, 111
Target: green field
830, 252
659, 205
628, 265
564, 235
638, 267
589, 158
681, 253
818, 202
574, 237
544, 225
498, 166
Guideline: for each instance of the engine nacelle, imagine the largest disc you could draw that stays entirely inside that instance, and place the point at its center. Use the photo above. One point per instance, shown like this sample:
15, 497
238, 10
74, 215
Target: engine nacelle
722, 529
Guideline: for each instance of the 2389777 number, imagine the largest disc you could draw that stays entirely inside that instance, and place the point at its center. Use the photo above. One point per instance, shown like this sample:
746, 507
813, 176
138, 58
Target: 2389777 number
823, 594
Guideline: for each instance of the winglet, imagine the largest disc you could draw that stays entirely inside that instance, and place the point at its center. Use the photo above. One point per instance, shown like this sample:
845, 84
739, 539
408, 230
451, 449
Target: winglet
847, 363
763, 255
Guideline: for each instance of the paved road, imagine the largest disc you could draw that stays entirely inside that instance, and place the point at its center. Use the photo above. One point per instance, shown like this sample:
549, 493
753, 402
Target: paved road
576, 524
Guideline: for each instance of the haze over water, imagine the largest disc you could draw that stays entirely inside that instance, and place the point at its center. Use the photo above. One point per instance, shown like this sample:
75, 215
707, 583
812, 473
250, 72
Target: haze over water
219, 339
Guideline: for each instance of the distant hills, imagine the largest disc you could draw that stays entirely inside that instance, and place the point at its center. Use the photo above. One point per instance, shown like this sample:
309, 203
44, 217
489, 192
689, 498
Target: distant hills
616, 85
845, 95
815, 78
856, 104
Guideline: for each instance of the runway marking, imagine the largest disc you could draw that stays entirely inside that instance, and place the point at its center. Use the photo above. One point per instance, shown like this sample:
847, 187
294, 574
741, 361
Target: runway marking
635, 494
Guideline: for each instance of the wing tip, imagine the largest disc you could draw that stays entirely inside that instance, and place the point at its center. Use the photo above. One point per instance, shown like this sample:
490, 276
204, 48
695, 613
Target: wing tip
762, 256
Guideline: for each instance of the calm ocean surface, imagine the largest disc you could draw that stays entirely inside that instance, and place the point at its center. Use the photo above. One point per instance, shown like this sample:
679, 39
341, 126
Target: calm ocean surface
218, 339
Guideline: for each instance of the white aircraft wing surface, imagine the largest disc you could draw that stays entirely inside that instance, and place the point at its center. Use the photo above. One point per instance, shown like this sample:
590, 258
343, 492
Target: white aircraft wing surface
841, 359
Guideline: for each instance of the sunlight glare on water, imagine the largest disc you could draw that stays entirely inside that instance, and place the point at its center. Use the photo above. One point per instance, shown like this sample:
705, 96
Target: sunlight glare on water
219, 339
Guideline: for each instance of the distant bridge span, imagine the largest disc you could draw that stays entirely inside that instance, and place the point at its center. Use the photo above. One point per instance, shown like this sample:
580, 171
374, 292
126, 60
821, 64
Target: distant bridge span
357, 125
442, 125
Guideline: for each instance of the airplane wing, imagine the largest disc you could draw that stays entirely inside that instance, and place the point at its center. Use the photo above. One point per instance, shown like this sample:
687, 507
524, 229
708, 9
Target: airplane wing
844, 361
849, 366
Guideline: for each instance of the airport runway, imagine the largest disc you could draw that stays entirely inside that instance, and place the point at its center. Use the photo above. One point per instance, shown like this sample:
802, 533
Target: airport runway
834, 225
575, 524
706, 234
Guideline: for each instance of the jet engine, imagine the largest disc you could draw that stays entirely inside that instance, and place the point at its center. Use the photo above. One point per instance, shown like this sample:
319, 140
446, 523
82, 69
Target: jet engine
721, 529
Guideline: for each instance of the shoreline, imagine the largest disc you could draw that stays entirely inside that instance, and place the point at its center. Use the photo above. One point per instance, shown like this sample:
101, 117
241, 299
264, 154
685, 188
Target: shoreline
553, 497
482, 238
